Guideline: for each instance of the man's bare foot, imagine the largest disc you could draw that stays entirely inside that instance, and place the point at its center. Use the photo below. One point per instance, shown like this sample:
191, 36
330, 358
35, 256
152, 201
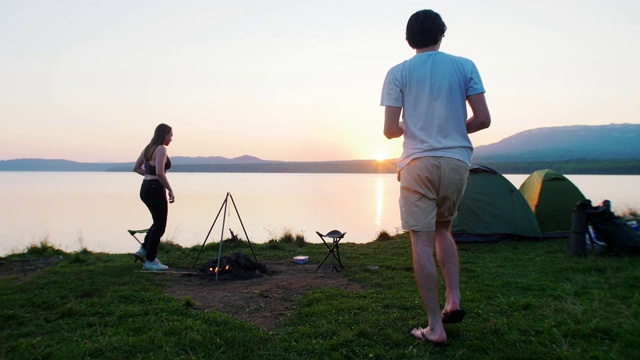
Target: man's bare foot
427, 335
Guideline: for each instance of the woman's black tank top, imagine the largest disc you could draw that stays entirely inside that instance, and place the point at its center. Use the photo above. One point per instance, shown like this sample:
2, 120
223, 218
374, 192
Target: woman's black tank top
150, 169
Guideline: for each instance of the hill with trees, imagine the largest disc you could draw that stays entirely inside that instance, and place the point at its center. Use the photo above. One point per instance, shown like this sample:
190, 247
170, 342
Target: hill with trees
579, 149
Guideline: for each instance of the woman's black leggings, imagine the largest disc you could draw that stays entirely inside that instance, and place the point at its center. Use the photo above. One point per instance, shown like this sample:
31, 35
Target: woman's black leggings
154, 195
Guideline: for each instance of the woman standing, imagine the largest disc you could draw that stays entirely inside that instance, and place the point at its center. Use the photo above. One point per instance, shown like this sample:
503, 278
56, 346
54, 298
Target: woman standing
153, 163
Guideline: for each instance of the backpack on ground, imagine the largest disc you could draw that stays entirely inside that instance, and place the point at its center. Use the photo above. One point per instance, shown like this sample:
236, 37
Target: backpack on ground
618, 236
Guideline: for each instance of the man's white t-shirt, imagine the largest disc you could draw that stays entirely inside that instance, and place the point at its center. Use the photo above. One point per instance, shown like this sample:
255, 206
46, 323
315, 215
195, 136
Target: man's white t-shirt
432, 89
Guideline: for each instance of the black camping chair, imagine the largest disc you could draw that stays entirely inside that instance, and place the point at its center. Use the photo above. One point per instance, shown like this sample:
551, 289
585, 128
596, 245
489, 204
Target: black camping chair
133, 233
333, 247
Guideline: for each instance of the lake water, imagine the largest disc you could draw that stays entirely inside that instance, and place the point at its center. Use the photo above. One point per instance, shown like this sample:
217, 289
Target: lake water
93, 210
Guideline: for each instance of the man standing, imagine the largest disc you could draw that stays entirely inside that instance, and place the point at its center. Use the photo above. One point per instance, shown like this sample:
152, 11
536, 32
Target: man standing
431, 91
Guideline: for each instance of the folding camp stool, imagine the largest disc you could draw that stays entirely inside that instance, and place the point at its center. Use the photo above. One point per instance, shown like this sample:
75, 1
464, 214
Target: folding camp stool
333, 247
133, 233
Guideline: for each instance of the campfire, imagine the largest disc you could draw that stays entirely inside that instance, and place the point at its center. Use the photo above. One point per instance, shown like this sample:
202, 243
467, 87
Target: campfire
239, 265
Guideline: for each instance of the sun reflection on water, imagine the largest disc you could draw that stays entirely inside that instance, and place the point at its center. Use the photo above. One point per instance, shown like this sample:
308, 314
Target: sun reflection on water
379, 201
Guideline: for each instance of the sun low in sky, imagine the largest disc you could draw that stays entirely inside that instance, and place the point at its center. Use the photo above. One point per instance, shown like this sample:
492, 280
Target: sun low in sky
291, 80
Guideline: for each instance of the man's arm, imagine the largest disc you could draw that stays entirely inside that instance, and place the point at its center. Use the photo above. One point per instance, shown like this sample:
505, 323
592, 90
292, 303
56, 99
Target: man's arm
393, 127
481, 119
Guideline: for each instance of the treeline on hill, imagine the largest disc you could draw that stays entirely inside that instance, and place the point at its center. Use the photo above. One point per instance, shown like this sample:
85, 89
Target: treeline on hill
351, 166
583, 166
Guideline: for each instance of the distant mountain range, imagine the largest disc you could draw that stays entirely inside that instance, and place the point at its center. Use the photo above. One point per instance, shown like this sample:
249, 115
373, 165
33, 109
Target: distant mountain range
602, 149
579, 142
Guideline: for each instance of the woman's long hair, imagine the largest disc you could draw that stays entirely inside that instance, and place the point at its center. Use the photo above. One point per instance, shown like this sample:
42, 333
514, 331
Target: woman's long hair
159, 136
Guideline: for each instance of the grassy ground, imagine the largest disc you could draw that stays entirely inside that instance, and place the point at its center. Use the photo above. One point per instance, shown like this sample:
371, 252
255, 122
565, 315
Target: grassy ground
525, 300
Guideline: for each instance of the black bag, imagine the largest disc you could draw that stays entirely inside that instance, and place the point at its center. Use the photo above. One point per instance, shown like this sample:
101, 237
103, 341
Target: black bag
620, 238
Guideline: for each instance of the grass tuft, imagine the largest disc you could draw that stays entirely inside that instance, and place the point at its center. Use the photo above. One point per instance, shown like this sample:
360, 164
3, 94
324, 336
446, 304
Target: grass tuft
44, 248
383, 235
189, 302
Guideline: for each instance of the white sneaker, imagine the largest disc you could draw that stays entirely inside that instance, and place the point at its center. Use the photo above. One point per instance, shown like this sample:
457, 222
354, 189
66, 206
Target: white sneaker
140, 254
154, 265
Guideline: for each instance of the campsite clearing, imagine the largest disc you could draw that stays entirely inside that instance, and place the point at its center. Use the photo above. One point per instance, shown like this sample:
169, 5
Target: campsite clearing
535, 300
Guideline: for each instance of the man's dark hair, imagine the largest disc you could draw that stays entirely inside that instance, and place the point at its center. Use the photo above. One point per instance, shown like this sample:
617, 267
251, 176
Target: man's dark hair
425, 28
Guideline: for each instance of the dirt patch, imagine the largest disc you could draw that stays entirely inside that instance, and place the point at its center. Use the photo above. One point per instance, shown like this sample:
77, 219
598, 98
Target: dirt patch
265, 300
19, 268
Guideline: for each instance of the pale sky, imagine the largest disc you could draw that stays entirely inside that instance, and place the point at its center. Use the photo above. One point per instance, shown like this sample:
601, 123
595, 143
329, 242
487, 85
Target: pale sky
293, 80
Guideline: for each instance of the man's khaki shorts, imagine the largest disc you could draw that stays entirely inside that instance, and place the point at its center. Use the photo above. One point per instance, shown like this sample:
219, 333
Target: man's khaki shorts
430, 191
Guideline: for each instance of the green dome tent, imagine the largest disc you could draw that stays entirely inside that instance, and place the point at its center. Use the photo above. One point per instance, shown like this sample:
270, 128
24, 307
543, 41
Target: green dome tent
552, 198
493, 209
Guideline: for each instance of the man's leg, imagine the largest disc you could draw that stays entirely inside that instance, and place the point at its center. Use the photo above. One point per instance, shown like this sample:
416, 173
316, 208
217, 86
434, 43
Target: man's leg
447, 253
424, 268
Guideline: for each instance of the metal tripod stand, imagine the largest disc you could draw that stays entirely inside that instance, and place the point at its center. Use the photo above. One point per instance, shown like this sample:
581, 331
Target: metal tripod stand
224, 217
